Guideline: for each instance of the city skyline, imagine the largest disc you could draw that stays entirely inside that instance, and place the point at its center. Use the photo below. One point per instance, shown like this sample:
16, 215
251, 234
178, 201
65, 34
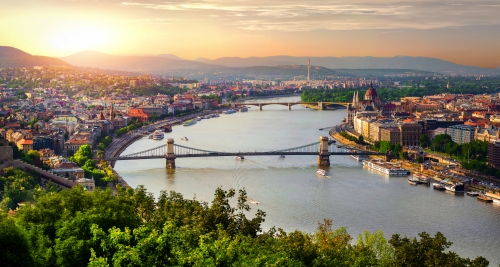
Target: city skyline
464, 32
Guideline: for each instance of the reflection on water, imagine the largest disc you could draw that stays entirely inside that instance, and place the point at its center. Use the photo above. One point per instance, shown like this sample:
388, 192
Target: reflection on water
295, 197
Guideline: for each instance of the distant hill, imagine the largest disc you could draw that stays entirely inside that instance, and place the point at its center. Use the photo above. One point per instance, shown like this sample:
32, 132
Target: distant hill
142, 64
398, 62
11, 57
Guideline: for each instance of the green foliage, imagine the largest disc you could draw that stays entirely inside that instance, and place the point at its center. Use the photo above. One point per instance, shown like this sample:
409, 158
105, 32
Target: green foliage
429, 251
130, 127
15, 184
79, 228
424, 140
81, 156
14, 244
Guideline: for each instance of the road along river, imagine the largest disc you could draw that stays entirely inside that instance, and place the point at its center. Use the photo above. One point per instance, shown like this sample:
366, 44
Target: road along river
295, 197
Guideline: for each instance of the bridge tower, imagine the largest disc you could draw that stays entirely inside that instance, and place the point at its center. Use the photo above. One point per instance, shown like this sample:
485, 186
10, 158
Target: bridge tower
260, 107
170, 155
289, 106
320, 106
324, 153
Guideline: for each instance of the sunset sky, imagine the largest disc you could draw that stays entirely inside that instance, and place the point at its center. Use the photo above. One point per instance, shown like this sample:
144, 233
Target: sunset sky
461, 31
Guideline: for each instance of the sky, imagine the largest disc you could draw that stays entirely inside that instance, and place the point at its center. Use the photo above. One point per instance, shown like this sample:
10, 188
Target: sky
461, 31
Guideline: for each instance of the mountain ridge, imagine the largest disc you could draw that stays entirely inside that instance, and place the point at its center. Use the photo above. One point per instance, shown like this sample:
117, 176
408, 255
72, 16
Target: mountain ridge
11, 57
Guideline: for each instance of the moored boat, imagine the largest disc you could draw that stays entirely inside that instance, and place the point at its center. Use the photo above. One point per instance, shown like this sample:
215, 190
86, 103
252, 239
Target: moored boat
386, 167
230, 111
438, 186
189, 122
473, 193
484, 198
167, 128
413, 181
456, 188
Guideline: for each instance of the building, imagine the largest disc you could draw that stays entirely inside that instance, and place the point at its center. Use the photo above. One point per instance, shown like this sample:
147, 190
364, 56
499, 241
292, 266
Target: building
489, 134
494, 154
138, 113
391, 134
410, 134
461, 134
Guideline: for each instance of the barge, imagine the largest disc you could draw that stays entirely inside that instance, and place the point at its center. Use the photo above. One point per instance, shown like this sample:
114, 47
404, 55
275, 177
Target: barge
386, 167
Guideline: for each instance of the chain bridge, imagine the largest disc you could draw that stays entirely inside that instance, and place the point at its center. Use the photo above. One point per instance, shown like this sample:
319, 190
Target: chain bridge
170, 151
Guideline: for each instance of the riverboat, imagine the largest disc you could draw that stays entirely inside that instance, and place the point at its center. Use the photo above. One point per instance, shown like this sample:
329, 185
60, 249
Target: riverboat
189, 122
167, 128
385, 167
456, 188
413, 181
484, 198
158, 135
344, 120
240, 158
473, 193
184, 138
358, 157
230, 111
322, 172
422, 179
438, 186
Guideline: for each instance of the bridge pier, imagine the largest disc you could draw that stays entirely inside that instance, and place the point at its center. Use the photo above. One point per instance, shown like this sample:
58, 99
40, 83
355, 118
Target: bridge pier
170, 155
320, 105
289, 106
260, 107
324, 153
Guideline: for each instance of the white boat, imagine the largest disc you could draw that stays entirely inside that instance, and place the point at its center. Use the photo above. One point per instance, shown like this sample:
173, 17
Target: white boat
358, 157
322, 172
386, 167
158, 135
457, 188
184, 138
230, 111
240, 158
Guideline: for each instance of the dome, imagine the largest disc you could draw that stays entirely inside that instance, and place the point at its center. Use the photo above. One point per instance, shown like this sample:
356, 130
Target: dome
370, 94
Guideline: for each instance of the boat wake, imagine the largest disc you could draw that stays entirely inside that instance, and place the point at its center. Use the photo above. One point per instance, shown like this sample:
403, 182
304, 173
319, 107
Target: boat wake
252, 201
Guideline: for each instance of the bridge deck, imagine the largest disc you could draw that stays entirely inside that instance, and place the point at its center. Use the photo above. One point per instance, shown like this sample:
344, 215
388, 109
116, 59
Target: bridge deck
234, 154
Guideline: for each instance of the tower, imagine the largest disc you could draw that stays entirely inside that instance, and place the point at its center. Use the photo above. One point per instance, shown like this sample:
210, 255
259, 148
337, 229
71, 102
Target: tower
111, 114
308, 71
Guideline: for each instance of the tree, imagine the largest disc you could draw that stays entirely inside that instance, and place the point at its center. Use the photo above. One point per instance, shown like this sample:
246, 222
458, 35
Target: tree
424, 140
385, 146
14, 249
83, 154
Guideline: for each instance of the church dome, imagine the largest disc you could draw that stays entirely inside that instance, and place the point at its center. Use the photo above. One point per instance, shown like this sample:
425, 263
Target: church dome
370, 94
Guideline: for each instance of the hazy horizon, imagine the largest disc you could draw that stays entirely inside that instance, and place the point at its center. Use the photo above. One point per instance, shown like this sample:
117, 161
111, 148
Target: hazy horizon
464, 32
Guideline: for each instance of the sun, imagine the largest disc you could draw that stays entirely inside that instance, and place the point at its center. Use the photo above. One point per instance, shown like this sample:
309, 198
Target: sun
79, 38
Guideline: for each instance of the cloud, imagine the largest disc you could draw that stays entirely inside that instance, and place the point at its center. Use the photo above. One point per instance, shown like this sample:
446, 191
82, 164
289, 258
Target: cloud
303, 15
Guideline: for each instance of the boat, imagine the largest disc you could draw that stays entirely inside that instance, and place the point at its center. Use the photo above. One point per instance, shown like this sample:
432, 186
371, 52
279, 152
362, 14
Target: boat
484, 198
422, 179
344, 120
438, 186
456, 188
413, 181
184, 138
150, 136
167, 128
282, 156
322, 172
240, 158
199, 118
189, 122
358, 157
473, 193
243, 109
158, 135
230, 111
386, 167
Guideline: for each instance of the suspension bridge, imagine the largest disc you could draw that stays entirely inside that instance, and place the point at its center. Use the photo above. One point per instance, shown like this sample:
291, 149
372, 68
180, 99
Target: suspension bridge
170, 151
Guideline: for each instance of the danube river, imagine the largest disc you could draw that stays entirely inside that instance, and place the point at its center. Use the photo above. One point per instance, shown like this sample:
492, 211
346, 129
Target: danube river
295, 197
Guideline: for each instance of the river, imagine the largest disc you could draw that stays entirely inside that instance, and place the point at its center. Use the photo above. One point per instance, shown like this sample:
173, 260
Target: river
295, 197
